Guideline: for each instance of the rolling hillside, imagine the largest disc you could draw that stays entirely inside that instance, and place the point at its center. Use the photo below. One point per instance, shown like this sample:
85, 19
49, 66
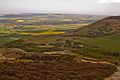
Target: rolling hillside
104, 27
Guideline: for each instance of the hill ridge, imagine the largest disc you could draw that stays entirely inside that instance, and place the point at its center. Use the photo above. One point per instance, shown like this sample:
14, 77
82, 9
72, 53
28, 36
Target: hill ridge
104, 27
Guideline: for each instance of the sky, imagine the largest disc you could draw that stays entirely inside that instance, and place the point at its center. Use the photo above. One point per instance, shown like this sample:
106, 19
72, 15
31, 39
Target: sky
94, 7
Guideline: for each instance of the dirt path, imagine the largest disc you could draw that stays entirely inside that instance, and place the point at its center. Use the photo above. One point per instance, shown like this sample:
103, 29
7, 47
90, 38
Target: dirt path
101, 62
115, 76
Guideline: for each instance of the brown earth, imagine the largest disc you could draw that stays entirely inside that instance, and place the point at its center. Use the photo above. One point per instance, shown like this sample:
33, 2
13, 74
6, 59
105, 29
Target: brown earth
54, 71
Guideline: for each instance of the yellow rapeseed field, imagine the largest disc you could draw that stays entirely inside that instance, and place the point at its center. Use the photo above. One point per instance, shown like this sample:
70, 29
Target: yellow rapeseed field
42, 33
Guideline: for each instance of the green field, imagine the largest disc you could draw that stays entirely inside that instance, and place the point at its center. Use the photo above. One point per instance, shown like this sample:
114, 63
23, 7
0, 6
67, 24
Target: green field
111, 42
107, 47
49, 36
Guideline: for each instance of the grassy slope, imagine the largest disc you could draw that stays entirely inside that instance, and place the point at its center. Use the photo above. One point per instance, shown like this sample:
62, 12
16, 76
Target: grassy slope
100, 48
111, 42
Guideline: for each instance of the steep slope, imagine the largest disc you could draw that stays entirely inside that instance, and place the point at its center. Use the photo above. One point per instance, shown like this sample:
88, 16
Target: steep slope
106, 26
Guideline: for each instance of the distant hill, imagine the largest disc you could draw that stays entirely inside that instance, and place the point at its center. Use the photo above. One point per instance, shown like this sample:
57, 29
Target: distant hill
26, 15
104, 27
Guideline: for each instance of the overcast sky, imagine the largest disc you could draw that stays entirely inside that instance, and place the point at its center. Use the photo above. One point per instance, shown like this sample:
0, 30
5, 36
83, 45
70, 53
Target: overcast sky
104, 7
